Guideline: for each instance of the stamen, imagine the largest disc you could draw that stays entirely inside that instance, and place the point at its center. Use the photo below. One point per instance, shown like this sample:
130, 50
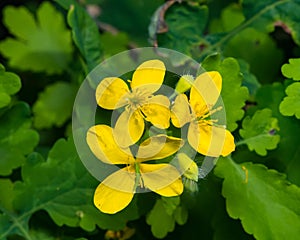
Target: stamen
211, 112
207, 122
216, 110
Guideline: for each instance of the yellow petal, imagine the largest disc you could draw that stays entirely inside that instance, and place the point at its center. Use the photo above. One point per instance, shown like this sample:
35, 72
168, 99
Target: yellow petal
110, 93
163, 179
188, 167
149, 75
158, 147
210, 140
102, 144
229, 145
115, 192
129, 128
180, 112
157, 111
205, 92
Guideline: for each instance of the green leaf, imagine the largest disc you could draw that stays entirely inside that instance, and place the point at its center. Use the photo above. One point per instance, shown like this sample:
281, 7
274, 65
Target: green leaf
85, 35
181, 215
10, 84
7, 219
129, 16
259, 132
231, 17
171, 203
250, 81
164, 214
16, 137
262, 16
161, 222
265, 15
267, 205
62, 187
114, 43
54, 105
65, 3
186, 24
39, 45
291, 103
225, 227
37, 234
6, 192
233, 94
292, 69
286, 156
262, 45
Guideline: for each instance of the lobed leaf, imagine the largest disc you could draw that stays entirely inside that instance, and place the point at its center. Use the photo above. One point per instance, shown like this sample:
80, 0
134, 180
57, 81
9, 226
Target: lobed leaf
10, 84
16, 138
224, 226
39, 45
292, 69
267, 205
164, 214
291, 103
181, 215
161, 222
54, 105
186, 24
286, 156
62, 187
259, 132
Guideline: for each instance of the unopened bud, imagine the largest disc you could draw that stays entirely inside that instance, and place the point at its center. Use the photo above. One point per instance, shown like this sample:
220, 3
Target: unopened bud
188, 166
184, 83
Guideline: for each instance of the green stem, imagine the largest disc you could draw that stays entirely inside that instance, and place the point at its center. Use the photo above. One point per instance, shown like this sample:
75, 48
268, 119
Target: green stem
138, 175
174, 94
239, 28
242, 142
245, 141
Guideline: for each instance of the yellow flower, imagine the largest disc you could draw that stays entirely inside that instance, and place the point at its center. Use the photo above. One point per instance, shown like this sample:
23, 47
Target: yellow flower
204, 136
139, 102
117, 190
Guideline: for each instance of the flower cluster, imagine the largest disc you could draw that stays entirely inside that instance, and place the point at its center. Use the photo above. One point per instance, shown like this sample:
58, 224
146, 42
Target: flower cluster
139, 104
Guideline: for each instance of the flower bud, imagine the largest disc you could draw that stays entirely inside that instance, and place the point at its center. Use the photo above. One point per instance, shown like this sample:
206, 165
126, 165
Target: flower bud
188, 166
184, 83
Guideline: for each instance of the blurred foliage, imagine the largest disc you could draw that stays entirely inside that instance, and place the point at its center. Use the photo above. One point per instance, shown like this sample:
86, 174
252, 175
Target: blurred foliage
40, 45
48, 47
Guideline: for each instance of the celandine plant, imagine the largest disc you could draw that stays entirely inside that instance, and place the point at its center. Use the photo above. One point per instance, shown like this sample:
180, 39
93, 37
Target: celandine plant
194, 137
112, 145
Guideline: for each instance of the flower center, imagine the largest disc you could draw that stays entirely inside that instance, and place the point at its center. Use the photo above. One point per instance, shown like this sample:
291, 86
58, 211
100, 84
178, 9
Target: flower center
137, 98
